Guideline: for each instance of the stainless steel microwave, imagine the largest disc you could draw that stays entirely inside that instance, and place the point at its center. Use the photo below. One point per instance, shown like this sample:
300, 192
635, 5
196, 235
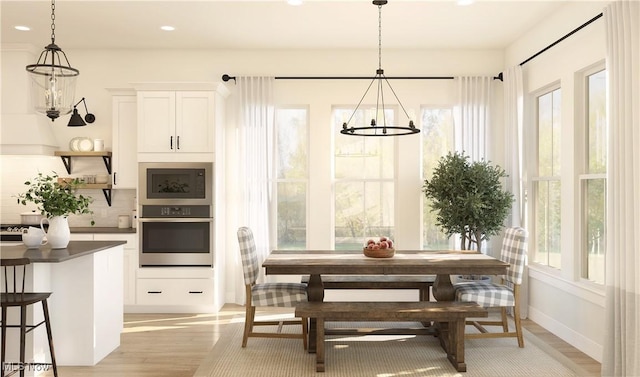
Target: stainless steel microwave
175, 183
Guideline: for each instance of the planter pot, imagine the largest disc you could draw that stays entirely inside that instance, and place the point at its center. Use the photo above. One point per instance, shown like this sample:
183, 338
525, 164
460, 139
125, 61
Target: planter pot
59, 233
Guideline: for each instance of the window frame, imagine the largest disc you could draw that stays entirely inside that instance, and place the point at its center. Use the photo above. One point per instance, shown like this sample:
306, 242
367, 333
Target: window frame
451, 139
275, 180
584, 176
381, 181
535, 179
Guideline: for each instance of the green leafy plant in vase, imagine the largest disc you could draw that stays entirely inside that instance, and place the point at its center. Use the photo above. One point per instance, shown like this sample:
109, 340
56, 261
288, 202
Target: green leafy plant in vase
56, 201
468, 199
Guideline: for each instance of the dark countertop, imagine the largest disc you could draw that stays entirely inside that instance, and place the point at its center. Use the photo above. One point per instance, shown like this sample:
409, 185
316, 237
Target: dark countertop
96, 229
45, 254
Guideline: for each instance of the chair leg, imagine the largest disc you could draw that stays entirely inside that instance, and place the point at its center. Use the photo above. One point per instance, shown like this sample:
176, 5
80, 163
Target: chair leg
4, 340
305, 332
505, 322
516, 319
248, 323
47, 322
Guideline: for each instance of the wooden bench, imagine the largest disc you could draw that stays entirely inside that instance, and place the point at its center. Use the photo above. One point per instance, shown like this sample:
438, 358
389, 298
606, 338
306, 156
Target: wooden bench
450, 317
419, 282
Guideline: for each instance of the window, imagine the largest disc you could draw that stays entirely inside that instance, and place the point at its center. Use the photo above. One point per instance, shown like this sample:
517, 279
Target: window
364, 181
292, 145
437, 140
546, 184
593, 182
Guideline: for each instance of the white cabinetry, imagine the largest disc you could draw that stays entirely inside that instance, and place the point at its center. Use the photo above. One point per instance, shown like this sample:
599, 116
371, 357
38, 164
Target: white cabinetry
176, 121
124, 147
130, 258
175, 290
130, 262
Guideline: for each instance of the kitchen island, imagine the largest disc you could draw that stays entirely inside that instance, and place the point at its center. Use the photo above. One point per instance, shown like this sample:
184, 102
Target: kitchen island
86, 305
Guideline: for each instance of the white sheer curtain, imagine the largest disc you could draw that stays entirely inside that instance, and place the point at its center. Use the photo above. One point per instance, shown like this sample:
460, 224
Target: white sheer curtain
622, 340
471, 119
514, 122
472, 116
254, 152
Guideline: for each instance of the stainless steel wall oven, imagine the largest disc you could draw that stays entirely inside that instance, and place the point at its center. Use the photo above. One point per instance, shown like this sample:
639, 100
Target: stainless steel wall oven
175, 219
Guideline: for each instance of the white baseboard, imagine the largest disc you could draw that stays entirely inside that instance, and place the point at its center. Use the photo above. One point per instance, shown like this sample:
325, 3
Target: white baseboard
588, 346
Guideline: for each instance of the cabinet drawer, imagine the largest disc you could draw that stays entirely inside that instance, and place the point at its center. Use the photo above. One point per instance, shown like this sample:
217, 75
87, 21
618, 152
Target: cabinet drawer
174, 292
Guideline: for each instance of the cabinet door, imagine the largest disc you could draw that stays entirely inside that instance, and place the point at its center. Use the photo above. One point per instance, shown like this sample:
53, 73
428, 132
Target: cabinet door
156, 121
130, 262
124, 158
195, 121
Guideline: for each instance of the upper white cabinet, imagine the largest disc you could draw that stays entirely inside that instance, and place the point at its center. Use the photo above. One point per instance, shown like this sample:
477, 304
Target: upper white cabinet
176, 121
124, 159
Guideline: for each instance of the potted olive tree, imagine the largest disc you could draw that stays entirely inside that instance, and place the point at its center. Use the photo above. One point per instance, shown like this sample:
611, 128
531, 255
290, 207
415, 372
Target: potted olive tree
468, 199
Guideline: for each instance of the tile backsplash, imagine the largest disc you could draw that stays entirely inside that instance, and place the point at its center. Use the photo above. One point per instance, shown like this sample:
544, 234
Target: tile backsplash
15, 170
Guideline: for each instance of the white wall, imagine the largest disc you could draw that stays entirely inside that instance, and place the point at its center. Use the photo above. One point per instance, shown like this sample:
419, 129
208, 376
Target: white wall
558, 299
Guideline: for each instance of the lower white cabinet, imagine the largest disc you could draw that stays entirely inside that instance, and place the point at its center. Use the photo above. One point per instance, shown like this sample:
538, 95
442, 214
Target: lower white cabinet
175, 292
130, 261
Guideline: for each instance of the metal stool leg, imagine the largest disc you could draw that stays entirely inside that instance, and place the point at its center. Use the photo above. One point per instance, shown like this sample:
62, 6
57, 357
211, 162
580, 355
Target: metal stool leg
4, 340
23, 333
45, 309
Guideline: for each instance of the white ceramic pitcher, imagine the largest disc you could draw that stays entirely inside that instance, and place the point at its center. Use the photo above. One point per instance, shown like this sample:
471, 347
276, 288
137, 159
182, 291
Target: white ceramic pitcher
59, 233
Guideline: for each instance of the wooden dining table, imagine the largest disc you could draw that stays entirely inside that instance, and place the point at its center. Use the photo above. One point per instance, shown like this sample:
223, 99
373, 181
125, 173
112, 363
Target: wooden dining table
441, 263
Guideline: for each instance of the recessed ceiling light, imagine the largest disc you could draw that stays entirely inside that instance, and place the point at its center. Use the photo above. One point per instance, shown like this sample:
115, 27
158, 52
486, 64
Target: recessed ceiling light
167, 28
294, 2
465, 2
22, 28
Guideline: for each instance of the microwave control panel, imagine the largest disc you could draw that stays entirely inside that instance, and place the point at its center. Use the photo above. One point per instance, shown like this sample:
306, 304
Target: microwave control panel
168, 211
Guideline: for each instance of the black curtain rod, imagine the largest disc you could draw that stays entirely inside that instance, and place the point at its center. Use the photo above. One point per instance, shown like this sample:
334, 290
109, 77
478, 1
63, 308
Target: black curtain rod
226, 77
562, 39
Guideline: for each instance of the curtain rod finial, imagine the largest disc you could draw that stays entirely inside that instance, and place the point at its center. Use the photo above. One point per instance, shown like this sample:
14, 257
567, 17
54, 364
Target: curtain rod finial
226, 78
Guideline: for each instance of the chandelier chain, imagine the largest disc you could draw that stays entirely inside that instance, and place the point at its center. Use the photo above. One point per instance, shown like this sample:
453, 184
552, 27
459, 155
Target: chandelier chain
53, 21
379, 36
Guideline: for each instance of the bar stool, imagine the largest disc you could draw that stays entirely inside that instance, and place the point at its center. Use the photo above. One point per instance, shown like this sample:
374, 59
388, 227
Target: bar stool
14, 296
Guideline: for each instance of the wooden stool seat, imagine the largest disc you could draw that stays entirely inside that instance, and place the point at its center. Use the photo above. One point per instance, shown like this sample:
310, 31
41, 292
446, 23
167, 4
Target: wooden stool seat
15, 296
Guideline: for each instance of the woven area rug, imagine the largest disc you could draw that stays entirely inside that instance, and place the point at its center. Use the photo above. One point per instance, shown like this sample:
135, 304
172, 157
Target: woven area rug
379, 356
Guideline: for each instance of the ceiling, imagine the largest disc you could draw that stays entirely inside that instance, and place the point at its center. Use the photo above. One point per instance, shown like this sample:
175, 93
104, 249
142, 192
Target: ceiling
272, 24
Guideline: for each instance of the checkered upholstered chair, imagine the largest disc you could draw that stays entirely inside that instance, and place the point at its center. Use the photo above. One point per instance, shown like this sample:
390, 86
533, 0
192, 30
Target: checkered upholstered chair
267, 294
504, 295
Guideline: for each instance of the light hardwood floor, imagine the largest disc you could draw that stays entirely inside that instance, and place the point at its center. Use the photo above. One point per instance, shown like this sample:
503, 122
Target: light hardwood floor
173, 345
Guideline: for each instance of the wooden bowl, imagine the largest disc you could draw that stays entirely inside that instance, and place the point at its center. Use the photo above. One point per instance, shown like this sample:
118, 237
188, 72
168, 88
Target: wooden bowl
379, 253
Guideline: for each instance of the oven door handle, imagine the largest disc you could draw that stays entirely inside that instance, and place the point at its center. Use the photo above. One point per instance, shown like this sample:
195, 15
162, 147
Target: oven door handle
176, 220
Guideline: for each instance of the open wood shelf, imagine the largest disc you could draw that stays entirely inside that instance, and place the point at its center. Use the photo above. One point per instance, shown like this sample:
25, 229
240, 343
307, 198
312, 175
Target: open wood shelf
106, 157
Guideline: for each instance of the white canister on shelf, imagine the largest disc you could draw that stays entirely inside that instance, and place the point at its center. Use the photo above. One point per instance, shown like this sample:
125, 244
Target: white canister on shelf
98, 145
124, 221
